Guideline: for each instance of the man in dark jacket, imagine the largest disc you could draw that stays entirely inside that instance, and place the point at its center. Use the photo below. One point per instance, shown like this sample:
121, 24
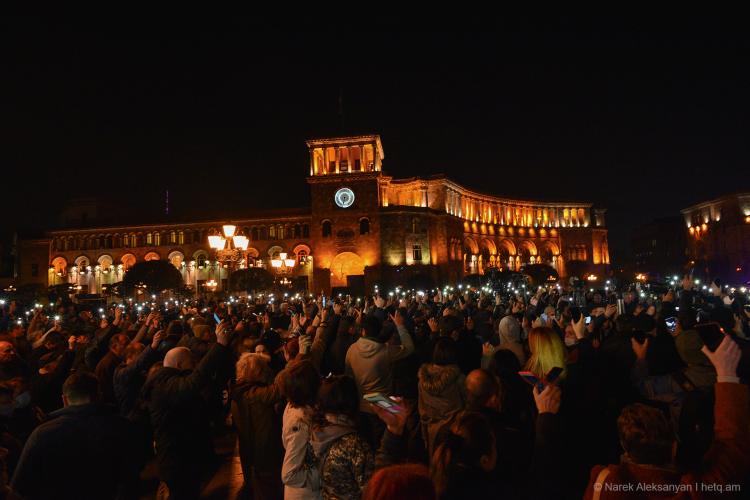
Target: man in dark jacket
180, 415
83, 436
130, 376
105, 369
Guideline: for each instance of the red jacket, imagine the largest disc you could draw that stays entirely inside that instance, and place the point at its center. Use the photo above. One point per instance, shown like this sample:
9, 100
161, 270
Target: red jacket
726, 463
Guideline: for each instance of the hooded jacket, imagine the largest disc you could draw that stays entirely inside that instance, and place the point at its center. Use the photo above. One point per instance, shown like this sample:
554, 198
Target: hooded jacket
510, 337
442, 394
344, 458
370, 362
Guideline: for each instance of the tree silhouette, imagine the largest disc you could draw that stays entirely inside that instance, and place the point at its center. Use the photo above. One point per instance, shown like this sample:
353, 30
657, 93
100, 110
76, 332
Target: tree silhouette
253, 279
156, 275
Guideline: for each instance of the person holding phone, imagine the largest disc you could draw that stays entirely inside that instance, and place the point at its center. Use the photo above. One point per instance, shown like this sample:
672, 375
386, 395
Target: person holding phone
370, 362
650, 456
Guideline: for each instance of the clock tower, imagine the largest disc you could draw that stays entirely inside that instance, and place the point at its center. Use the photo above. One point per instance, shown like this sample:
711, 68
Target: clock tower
347, 190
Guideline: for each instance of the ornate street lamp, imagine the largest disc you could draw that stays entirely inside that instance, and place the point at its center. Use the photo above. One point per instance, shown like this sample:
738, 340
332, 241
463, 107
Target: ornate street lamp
231, 246
283, 266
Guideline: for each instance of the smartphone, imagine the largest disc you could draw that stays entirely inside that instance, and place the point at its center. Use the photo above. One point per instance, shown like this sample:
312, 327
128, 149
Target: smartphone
588, 319
324, 301
712, 334
531, 379
575, 313
217, 318
553, 375
383, 401
671, 323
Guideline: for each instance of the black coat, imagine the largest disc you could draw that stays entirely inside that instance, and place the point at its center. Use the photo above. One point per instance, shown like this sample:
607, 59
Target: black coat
257, 412
180, 416
83, 452
129, 379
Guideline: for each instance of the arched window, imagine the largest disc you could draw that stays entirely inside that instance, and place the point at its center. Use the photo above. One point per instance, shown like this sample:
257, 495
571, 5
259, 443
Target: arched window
157, 238
255, 236
297, 230
201, 261
272, 232
180, 238
133, 240
305, 230
364, 225
326, 229
280, 232
149, 239
302, 257
415, 225
263, 233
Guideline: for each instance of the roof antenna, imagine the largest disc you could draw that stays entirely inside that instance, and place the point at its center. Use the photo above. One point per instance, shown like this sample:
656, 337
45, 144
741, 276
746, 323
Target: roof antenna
341, 109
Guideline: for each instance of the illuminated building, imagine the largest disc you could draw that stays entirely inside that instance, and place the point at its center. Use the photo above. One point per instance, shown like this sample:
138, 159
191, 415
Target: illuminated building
718, 237
363, 227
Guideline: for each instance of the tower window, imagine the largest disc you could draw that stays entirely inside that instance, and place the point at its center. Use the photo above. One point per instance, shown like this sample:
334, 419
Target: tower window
326, 229
417, 252
364, 226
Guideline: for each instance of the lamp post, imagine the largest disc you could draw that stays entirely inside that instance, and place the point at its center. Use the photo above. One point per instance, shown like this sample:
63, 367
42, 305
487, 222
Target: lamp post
230, 247
283, 266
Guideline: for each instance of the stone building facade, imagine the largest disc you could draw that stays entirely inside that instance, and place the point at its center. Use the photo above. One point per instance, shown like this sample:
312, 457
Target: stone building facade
362, 228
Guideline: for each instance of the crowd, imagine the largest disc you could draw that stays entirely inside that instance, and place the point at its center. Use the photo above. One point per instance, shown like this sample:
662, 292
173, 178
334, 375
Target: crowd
446, 394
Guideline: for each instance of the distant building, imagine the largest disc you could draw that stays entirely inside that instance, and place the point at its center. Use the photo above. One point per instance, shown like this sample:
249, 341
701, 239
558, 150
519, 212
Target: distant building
363, 227
659, 248
719, 237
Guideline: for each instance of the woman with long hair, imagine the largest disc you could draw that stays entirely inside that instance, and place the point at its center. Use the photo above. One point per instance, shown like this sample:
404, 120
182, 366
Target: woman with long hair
547, 352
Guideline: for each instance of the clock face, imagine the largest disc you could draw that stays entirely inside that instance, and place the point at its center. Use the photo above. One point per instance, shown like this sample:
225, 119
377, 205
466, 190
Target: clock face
344, 197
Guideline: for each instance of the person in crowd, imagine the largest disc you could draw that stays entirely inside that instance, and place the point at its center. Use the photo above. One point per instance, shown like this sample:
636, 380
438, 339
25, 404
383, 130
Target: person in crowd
510, 337
649, 446
547, 352
11, 364
370, 361
105, 369
299, 386
401, 482
129, 377
86, 435
257, 408
344, 458
442, 391
180, 416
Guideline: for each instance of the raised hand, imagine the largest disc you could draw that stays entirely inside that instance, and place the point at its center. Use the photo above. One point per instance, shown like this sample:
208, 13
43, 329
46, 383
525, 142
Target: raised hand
397, 318
433, 324
548, 401
394, 422
725, 358
158, 337
579, 327
337, 309
222, 334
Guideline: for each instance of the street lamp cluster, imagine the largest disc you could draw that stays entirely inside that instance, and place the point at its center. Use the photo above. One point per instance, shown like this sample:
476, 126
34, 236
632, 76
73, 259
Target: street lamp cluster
231, 246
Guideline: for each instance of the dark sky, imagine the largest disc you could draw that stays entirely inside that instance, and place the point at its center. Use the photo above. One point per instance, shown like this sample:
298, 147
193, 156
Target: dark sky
643, 120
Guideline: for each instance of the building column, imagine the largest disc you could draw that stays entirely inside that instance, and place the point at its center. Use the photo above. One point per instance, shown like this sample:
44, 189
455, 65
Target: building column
338, 159
362, 166
312, 161
325, 161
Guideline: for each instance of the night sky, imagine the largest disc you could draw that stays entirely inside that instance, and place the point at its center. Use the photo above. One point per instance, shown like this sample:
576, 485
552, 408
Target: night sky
643, 120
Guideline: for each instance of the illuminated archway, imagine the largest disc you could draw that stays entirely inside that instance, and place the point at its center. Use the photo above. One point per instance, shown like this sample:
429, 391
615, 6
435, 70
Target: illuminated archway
151, 256
346, 264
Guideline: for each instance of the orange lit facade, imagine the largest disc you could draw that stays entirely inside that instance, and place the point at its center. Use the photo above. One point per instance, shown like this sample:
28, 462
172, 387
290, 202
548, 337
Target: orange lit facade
363, 228
718, 239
